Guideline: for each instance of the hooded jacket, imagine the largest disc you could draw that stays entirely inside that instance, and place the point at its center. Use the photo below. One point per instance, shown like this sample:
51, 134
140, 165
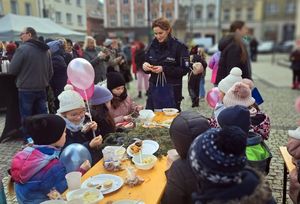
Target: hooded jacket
253, 189
181, 181
32, 65
35, 171
230, 57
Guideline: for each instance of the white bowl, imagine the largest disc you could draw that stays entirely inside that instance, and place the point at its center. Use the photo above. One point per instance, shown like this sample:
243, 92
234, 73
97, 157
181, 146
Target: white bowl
79, 194
144, 166
170, 111
53, 202
146, 115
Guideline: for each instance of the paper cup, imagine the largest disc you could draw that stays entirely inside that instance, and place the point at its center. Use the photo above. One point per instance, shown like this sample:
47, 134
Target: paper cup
171, 157
73, 180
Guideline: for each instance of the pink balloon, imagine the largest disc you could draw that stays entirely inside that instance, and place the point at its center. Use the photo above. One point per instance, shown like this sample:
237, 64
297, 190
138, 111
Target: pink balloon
89, 91
81, 73
212, 97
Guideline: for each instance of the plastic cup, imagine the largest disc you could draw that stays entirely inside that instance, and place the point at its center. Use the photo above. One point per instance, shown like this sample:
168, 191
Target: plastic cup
172, 155
73, 180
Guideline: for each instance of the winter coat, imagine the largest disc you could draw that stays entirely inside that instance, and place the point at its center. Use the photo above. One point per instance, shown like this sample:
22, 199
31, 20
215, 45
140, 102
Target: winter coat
84, 139
230, 57
253, 189
260, 124
295, 59
32, 65
126, 107
172, 55
98, 64
36, 170
139, 59
214, 65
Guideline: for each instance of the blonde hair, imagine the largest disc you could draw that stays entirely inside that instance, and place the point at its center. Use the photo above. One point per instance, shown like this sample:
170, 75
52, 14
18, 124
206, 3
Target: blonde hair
87, 38
201, 53
162, 23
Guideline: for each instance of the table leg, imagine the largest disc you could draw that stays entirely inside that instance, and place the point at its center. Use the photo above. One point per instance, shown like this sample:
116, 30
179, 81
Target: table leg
284, 183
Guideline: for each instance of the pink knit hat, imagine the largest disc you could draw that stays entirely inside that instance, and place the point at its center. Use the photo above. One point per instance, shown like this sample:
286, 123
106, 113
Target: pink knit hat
238, 94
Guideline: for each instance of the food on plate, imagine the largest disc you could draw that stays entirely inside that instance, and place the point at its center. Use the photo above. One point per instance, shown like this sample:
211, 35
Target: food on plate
94, 185
54, 195
90, 197
136, 147
147, 160
113, 166
108, 184
132, 179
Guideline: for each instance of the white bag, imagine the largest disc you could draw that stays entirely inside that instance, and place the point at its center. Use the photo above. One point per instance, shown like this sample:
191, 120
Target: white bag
5, 65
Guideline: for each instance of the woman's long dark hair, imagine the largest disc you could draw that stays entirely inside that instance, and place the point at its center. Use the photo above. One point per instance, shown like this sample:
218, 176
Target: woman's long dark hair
239, 41
102, 111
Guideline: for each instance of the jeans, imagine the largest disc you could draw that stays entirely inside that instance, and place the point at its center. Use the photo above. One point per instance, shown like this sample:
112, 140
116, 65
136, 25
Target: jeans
202, 87
32, 103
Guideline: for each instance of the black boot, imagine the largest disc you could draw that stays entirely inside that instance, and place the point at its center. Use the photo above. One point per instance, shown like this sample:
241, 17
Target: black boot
195, 102
140, 94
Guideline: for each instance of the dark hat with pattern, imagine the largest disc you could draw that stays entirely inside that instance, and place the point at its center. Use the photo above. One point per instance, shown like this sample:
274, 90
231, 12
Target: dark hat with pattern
114, 80
218, 155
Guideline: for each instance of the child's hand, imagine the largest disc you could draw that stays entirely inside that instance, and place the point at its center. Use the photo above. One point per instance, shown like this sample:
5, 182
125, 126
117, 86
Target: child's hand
157, 69
96, 141
93, 125
138, 108
86, 165
129, 125
127, 118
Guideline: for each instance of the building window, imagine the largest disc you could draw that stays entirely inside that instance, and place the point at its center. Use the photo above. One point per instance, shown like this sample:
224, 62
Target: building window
168, 1
78, 3
68, 2
58, 17
238, 13
140, 18
113, 22
169, 14
250, 14
125, 1
271, 8
79, 20
111, 2
211, 12
226, 16
126, 20
290, 8
14, 6
198, 13
139, 1
69, 18
1, 8
153, 15
27, 9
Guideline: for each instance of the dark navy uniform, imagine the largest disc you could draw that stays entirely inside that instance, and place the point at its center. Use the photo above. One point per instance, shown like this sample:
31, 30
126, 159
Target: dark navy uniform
173, 56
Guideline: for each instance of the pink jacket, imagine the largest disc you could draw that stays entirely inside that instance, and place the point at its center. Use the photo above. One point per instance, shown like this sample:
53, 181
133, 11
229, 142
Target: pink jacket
214, 65
127, 107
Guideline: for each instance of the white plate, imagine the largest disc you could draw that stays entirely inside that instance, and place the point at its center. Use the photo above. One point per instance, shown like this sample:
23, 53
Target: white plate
101, 178
128, 202
149, 147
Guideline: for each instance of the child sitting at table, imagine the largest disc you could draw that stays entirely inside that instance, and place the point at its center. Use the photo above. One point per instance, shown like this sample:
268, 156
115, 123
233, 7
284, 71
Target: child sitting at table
36, 169
217, 158
122, 106
99, 110
79, 127
180, 179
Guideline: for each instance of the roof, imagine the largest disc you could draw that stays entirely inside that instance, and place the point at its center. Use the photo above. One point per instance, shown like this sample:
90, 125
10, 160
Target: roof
12, 25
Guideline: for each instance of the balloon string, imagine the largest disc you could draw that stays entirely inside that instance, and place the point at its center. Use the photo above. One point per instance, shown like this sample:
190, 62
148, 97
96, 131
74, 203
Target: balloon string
88, 107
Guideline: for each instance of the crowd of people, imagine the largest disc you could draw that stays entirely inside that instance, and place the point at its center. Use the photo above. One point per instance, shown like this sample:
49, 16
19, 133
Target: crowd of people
222, 158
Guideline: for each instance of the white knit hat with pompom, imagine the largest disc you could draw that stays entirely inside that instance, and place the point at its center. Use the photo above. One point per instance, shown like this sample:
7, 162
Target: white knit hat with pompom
238, 94
69, 100
235, 75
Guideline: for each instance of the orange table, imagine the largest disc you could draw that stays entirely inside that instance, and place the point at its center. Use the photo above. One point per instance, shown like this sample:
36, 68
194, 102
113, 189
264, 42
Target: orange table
161, 117
150, 192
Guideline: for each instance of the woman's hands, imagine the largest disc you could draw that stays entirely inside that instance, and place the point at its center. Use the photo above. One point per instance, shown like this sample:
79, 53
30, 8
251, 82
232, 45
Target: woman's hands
152, 68
86, 165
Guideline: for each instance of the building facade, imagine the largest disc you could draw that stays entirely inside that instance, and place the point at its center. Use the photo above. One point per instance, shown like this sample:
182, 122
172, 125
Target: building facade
131, 19
202, 18
279, 20
68, 13
94, 21
19, 7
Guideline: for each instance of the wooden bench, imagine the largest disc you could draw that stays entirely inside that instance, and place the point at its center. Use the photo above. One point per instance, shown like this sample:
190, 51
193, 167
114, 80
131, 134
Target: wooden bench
288, 166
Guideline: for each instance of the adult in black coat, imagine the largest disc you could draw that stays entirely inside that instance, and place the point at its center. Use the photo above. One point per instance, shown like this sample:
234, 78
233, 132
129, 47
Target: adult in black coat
165, 54
59, 79
181, 181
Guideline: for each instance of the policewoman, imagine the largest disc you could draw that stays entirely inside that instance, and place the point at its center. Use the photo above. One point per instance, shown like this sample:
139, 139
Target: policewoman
165, 56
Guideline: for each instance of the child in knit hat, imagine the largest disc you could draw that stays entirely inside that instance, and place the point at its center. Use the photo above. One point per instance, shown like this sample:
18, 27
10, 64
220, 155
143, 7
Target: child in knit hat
99, 109
36, 169
217, 158
122, 106
180, 178
240, 94
79, 128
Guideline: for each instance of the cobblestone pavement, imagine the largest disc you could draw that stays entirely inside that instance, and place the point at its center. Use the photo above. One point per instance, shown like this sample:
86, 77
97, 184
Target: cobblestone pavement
272, 80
